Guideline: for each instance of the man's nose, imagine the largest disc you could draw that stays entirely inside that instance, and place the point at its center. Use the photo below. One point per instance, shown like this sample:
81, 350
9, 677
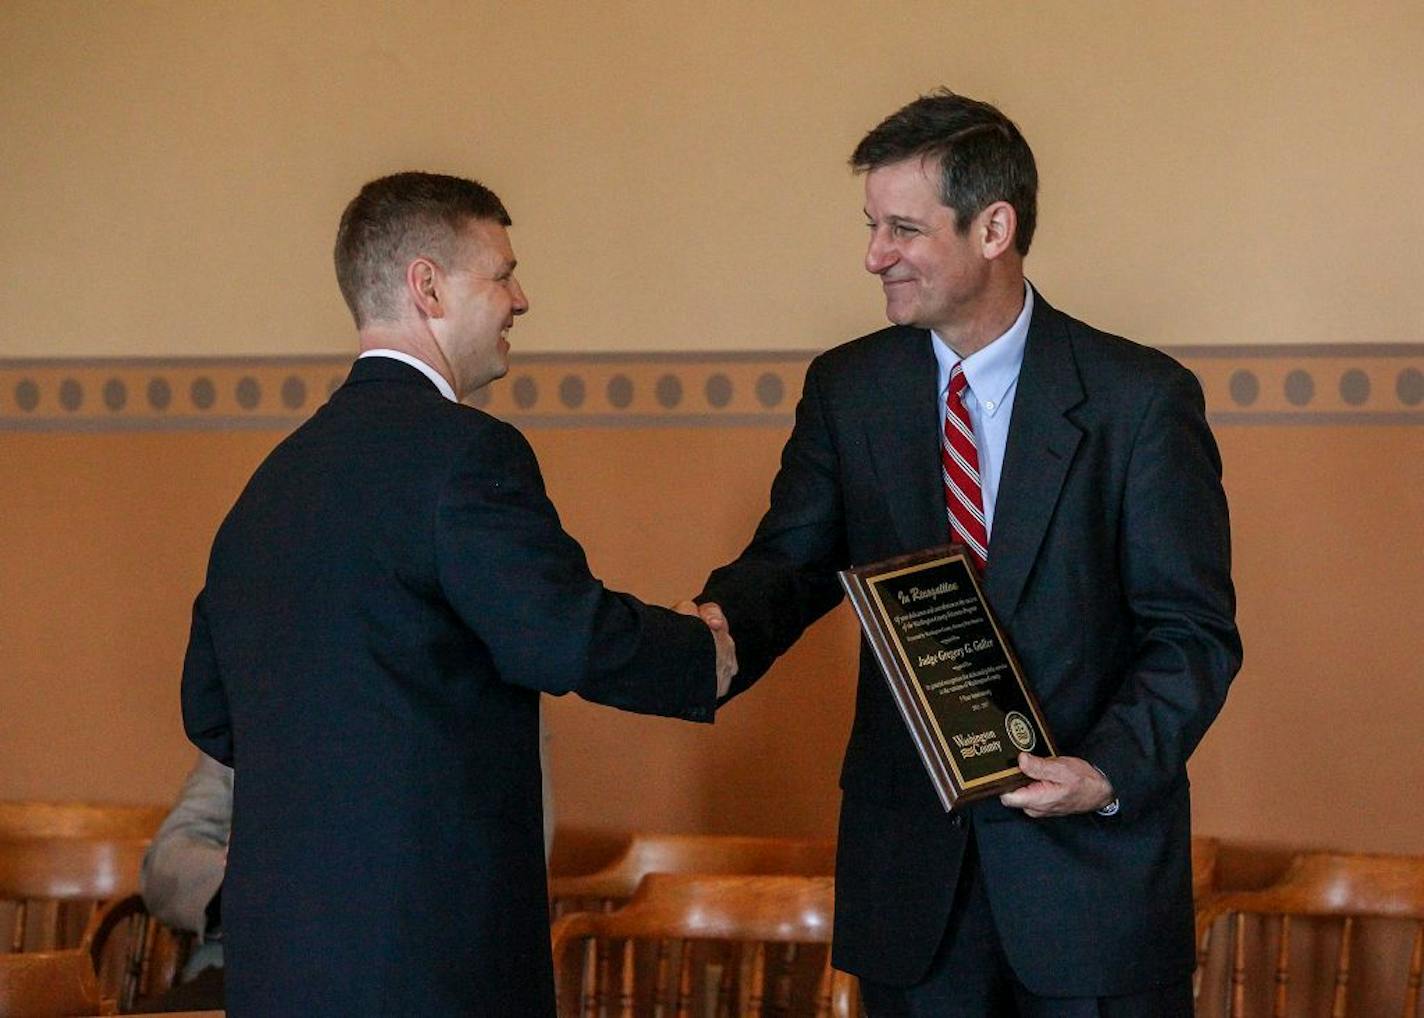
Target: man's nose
521, 302
879, 255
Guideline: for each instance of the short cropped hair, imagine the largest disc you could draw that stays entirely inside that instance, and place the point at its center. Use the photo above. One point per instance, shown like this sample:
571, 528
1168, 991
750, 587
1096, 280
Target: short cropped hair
982, 156
394, 220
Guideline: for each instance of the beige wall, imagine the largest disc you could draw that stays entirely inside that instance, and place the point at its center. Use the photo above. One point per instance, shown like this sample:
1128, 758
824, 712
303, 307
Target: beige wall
172, 170
109, 513
170, 177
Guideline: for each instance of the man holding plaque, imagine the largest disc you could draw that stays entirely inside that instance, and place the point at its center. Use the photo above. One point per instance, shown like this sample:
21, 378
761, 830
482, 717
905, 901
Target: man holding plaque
383, 607
1077, 472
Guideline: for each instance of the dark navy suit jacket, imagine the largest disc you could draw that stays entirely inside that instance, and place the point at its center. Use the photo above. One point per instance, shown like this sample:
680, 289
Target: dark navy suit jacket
383, 606
1109, 565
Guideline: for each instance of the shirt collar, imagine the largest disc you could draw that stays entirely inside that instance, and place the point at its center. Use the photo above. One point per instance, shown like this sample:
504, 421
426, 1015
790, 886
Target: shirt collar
992, 370
419, 365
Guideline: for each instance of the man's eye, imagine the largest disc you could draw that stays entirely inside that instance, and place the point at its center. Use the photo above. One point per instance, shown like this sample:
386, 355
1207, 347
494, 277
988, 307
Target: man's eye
901, 230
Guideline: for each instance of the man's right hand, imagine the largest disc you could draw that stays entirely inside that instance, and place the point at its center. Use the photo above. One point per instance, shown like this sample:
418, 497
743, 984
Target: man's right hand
711, 614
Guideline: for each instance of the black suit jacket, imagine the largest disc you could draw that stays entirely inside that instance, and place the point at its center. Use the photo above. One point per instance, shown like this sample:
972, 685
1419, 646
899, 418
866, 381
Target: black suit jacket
383, 606
1109, 565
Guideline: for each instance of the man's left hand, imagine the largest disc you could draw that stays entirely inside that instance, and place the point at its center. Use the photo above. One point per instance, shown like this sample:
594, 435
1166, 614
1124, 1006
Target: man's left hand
1062, 785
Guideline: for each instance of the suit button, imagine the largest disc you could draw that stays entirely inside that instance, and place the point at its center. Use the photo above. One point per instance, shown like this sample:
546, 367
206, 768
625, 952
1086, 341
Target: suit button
956, 820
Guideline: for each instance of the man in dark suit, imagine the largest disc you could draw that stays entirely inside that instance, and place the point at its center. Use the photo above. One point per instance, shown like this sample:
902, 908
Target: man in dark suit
1080, 468
383, 606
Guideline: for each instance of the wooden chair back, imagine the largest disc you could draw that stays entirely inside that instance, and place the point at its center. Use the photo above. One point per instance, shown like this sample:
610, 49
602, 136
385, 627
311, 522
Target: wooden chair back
689, 853
699, 945
1204, 867
1323, 900
54, 885
1204, 856
45, 984
577, 851
20, 819
135, 954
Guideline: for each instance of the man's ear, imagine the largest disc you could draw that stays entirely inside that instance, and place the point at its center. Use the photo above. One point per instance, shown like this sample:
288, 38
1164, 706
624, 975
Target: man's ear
423, 284
997, 225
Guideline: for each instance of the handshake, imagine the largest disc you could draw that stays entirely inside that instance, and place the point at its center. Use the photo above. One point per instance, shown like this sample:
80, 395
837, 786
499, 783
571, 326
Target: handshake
711, 613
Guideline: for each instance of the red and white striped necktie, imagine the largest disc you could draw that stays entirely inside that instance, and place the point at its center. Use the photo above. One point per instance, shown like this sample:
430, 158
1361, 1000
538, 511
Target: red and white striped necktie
959, 457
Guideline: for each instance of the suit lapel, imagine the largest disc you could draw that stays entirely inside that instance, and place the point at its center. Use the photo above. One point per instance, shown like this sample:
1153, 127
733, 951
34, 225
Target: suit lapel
1042, 442
902, 434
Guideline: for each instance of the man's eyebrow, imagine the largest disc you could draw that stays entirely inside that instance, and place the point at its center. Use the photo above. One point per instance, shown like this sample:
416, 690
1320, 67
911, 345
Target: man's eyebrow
895, 220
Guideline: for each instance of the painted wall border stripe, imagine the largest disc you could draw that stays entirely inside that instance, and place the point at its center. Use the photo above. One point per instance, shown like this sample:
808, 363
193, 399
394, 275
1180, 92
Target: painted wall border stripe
1269, 350
1295, 385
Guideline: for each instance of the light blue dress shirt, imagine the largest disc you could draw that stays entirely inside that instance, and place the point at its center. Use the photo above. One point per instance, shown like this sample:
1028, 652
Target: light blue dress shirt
992, 374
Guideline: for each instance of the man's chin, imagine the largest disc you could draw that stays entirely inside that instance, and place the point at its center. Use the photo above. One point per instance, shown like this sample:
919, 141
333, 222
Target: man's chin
497, 372
899, 315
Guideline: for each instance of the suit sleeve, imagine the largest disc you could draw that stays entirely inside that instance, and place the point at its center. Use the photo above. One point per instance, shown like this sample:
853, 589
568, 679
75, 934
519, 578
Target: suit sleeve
523, 586
205, 710
786, 578
1175, 565
183, 868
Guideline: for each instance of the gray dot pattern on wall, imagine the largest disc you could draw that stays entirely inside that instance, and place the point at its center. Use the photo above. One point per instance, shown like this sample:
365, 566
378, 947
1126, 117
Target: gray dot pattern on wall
116, 394
203, 393
248, 393
71, 395
572, 392
719, 390
160, 393
1288, 389
526, 392
1300, 387
294, 392
620, 391
27, 395
668, 391
1245, 387
1354, 387
1409, 387
770, 390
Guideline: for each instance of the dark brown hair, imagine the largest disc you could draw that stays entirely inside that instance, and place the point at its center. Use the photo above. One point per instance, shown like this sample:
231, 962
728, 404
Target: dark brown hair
982, 156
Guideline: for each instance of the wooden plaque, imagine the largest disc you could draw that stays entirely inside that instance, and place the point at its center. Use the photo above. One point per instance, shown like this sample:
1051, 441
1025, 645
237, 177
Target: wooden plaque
961, 690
